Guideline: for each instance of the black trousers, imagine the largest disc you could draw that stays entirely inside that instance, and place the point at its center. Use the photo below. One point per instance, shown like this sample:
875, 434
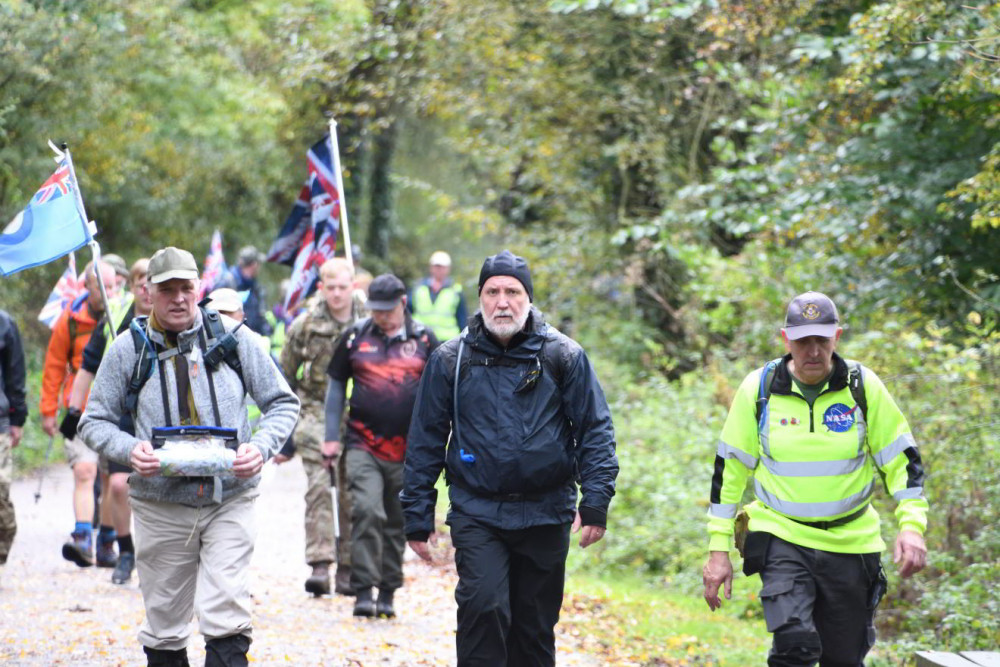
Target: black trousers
819, 605
510, 589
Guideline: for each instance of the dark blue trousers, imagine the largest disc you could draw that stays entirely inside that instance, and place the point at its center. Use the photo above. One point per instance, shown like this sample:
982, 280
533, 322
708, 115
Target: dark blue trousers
510, 589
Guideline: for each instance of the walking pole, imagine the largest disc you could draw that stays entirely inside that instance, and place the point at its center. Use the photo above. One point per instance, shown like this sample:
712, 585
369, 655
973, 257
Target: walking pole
336, 509
41, 477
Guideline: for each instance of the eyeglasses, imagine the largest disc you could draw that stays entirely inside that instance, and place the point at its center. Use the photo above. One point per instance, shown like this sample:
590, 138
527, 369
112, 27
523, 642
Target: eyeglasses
530, 379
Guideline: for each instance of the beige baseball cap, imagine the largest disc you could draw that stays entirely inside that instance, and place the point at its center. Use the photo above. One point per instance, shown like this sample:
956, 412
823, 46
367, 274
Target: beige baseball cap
225, 300
169, 263
440, 258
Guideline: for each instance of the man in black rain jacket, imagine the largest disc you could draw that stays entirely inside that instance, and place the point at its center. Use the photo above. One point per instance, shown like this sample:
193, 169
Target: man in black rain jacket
527, 424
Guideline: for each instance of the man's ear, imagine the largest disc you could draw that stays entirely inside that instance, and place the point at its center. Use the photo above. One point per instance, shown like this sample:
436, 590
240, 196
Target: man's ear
784, 337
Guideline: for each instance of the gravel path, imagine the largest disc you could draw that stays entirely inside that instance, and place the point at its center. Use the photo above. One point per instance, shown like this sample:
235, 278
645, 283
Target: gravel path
54, 613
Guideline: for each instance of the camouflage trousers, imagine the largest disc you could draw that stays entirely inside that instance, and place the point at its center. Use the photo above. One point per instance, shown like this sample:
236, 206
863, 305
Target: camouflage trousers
8, 521
309, 435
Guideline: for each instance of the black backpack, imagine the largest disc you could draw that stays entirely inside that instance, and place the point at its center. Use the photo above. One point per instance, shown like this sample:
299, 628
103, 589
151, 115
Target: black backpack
855, 382
148, 356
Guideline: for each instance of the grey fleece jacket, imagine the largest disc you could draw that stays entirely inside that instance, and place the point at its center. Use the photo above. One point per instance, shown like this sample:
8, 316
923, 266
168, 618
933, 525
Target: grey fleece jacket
279, 407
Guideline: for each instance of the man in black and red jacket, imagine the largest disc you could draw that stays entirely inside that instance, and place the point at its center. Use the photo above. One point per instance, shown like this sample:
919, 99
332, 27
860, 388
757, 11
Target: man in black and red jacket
385, 356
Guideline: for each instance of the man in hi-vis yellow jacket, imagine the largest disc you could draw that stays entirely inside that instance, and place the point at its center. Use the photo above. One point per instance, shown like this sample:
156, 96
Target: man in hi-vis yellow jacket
813, 430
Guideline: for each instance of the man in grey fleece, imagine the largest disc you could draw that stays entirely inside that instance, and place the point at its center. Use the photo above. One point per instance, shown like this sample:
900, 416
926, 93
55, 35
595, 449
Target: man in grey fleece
194, 535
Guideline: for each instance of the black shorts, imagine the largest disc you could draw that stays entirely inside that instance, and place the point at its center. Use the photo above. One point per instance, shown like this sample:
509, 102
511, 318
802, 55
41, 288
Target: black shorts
114, 466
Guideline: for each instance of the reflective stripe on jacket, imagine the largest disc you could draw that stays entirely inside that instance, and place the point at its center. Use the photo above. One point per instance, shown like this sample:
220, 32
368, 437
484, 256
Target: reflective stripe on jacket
440, 313
815, 464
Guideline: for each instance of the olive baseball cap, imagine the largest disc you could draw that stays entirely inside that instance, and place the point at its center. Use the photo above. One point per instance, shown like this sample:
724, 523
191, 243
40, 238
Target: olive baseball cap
169, 263
811, 314
117, 263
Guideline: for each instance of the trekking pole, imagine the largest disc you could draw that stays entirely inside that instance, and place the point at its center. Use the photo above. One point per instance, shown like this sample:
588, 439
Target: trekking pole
336, 508
41, 477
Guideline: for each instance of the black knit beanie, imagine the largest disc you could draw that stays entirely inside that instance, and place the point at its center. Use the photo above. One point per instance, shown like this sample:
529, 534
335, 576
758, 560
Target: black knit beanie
506, 263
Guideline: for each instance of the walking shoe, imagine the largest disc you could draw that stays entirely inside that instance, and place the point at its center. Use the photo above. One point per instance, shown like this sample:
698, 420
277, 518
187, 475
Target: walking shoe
165, 658
363, 604
342, 581
318, 582
123, 570
383, 606
106, 556
79, 549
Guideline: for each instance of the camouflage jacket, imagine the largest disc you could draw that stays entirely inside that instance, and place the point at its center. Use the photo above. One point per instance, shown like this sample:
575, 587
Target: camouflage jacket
309, 346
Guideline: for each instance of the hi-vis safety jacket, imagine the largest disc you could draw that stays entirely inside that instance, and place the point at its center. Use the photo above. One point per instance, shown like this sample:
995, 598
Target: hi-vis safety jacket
815, 464
438, 313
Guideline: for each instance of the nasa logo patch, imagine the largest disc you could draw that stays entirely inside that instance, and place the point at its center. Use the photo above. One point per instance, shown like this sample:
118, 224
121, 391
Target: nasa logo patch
839, 418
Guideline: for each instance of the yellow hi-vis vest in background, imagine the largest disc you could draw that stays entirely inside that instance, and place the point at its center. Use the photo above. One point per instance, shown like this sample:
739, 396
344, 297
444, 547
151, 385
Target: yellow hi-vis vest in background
439, 314
815, 464
117, 311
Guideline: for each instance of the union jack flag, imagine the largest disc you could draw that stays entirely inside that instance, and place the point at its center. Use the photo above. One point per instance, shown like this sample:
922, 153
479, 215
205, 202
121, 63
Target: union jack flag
215, 265
286, 247
316, 235
57, 185
68, 287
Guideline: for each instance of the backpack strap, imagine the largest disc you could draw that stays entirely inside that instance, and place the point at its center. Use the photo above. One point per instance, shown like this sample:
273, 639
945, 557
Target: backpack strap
856, 383
214, 329
147, 357
764, 390
145, 362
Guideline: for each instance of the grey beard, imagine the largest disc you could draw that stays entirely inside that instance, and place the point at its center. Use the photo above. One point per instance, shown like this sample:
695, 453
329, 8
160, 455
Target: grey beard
506, 330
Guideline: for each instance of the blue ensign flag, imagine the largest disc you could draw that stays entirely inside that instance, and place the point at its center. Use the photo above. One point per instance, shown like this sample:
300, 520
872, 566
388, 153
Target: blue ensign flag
48, 228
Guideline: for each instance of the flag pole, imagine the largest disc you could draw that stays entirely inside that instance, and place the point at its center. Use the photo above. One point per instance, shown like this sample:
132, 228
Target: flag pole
91, 227
342, 204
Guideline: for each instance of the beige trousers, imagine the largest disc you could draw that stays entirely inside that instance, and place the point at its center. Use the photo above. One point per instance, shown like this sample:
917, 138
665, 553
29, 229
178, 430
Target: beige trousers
194, 560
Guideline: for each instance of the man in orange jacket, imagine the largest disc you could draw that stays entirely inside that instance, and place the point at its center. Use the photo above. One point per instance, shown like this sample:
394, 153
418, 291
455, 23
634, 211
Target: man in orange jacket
62, 359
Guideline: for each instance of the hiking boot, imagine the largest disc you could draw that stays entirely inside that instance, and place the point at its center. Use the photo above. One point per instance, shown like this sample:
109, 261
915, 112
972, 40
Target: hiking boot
342, 581
383, 606
228, 651
363, 604
318, 582
79, 549
123, 570
106, 556
163, 658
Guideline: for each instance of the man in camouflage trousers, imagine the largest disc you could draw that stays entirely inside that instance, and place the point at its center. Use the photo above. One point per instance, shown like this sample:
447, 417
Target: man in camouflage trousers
13, 412
308, 348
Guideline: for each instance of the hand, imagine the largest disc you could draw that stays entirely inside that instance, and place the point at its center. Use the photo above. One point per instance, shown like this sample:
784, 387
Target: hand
281, 458
717, 570
590, 534
143, 460
330, 451
49, 425
248, 461
910, 554
422, 549
15, 436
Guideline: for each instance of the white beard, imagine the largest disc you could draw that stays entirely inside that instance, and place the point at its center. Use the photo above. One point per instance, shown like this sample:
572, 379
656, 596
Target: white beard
506, 330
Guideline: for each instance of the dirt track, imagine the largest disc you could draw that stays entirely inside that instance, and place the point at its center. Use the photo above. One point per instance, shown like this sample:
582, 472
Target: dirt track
54, 613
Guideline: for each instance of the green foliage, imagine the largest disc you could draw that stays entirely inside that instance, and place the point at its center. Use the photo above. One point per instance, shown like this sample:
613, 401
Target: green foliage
673, 169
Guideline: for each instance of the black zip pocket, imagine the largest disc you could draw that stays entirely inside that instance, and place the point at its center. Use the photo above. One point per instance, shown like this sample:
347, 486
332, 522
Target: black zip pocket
755, 551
